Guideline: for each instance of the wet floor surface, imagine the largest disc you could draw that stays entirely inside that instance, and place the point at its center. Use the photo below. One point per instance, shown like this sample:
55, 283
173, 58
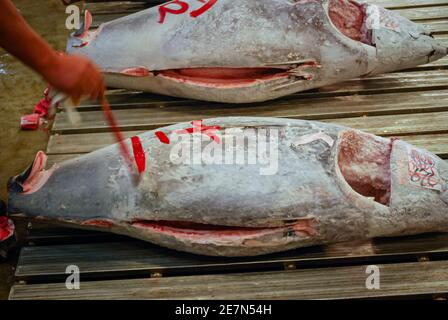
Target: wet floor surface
20, 89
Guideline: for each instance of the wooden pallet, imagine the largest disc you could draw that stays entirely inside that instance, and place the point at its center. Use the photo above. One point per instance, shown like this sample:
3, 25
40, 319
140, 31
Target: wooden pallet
412, 105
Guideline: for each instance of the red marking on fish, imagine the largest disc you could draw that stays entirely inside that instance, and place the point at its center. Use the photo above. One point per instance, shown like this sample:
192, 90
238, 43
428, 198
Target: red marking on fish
204, 8
164, 9
98, 223
162, 137
83, 44
139, 154
199, 127
183, 8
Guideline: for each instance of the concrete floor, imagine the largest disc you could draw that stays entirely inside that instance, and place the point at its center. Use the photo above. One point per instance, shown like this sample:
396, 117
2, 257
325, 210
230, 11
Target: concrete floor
20, 89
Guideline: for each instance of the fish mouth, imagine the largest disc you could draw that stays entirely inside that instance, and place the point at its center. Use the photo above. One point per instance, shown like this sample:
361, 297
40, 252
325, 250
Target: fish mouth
33, 178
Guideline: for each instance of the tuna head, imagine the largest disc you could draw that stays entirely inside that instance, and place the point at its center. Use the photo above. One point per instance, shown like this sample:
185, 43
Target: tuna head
92, 188
399, 43
248, 51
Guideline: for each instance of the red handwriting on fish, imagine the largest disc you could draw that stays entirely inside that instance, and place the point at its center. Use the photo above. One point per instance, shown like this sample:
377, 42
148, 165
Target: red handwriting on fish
199, 127
178, 7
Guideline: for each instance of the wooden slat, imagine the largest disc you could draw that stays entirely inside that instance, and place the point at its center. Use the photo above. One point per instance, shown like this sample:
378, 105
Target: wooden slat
425, 13
437, 27
436, 122
402, 124
398, 4
443, 39
440, 64
137, 257
343, 282
435, 143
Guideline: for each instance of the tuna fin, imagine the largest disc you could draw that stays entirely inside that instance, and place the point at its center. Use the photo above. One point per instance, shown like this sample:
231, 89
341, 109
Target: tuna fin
293, 64
16, 184
88, 19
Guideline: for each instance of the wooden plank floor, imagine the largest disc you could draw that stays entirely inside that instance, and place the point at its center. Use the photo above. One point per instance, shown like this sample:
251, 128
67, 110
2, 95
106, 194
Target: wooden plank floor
131, 257
404, 279
412, 105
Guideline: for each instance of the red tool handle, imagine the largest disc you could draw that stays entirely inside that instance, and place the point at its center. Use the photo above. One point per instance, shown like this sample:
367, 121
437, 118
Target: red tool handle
117, 133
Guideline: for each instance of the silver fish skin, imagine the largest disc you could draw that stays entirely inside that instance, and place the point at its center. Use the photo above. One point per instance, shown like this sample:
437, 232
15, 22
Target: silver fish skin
328, 184
250, 51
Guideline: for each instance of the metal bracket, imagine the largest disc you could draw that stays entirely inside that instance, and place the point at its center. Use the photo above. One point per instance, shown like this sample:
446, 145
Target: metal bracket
156, 274
289, 266
422, 258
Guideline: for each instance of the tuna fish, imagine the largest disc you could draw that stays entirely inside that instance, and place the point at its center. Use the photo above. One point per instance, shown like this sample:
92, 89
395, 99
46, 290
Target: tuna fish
243, 187
248, 51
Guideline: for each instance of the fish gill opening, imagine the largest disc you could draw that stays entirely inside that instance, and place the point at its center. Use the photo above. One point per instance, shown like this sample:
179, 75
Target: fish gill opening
350, 18
364, 161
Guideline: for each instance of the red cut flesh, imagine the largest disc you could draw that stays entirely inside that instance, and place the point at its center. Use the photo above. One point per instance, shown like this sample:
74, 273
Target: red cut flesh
223, 76
303, 226
348, 16
364, 161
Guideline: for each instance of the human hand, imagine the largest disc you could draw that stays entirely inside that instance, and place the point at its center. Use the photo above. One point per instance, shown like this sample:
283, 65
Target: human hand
76, 76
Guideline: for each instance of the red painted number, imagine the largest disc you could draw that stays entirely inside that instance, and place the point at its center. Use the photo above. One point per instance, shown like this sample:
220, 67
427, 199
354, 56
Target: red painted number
207, 5
198, 126
180, 7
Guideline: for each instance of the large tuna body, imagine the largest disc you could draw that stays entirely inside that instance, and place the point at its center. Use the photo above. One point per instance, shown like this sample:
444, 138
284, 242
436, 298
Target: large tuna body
246, 51
244, 186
